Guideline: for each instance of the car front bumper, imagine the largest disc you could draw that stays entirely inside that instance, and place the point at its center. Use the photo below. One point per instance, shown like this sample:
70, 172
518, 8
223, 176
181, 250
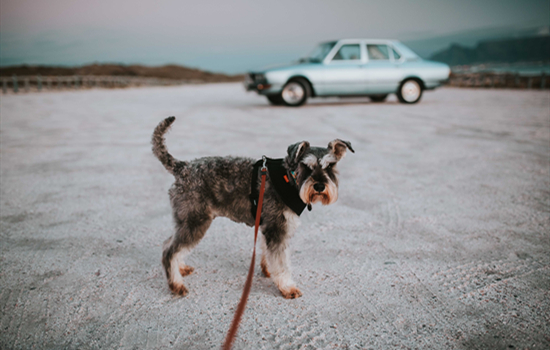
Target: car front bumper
255, 82
258, 83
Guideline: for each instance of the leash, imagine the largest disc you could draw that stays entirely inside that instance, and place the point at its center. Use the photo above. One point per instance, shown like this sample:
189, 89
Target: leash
230, 338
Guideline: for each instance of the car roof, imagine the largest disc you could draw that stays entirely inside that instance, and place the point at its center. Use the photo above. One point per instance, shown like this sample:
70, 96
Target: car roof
356, 39
367, 39
402, 49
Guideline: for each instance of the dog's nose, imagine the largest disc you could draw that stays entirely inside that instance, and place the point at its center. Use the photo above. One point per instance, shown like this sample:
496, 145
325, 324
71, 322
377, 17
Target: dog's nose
319, 187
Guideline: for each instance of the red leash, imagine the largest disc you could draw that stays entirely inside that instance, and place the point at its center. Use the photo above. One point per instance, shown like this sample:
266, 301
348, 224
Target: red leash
230, 338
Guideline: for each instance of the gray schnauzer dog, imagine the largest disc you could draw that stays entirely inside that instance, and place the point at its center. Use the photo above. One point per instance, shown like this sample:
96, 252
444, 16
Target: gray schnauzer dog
209, 187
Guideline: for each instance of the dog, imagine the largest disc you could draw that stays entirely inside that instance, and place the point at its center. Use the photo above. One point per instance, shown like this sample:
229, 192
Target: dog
208, 187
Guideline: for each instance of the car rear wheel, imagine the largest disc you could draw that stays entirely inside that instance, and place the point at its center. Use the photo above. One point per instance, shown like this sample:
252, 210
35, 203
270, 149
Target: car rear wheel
275, 100
378, 98
295, 93
410, 91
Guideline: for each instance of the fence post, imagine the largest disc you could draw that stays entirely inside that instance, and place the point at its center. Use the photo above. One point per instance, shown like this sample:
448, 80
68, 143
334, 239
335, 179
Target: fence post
39, 82
529, 83
49, 82
76, 82
26, 80
4, 85
543, 80
15, 86
517, 79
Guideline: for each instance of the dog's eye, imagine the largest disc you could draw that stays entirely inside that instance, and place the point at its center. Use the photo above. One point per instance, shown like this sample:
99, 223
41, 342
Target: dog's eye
305, 172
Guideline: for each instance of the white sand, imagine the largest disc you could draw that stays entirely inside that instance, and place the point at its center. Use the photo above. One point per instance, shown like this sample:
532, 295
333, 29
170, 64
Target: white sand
440, 238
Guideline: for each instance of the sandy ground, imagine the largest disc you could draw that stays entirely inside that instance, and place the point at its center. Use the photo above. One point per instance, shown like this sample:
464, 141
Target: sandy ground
439, 240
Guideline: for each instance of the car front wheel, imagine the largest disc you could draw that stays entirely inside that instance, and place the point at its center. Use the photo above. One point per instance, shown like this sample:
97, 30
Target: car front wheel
410, 91
295, 93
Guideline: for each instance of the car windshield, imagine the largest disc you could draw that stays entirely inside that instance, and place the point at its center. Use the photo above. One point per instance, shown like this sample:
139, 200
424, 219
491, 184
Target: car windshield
320, 52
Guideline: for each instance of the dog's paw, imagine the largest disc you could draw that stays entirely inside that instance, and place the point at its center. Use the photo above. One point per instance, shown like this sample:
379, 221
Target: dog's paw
186, 270
178, 289
291, 293
263, 265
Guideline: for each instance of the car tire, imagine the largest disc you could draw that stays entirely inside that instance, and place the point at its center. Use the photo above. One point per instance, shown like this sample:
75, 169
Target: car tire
295, 92
275, 100
378, 98
410, 91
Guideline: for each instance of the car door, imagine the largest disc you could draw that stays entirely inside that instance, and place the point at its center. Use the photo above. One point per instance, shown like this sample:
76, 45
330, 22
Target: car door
382, 70
343, 72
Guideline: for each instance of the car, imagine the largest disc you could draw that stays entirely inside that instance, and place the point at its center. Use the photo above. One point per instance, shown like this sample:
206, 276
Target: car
350, 67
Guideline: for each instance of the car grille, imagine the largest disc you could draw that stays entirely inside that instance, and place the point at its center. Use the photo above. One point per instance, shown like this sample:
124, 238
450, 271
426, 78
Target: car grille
255, 77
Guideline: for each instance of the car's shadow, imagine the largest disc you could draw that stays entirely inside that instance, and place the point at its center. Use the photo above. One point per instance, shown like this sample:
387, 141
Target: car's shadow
312, 104
345, 103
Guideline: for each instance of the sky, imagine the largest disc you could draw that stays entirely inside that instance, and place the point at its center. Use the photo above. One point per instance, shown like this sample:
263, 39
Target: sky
232, 36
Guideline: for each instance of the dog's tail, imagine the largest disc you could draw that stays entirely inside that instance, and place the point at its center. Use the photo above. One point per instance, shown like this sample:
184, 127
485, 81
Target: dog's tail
159, 147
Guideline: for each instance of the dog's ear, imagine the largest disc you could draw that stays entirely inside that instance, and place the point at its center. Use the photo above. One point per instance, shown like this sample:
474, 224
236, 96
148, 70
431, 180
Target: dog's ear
297, 151
339, 147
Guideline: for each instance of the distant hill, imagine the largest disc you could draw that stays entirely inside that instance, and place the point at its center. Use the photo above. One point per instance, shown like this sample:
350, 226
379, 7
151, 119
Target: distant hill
174, 72
532, 49
428, 46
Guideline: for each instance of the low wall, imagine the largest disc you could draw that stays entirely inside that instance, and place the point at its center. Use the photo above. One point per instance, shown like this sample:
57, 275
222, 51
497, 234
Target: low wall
499, 80
51, 83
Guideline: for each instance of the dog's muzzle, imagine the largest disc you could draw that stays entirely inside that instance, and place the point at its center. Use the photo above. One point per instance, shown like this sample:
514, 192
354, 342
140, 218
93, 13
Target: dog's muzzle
319, 187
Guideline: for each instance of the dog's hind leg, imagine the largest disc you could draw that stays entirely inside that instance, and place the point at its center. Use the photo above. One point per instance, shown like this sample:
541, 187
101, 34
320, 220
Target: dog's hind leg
188, 234
170, 262
184, 269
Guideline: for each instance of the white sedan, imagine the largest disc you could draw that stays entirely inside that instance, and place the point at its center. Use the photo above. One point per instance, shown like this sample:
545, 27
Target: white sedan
351, 67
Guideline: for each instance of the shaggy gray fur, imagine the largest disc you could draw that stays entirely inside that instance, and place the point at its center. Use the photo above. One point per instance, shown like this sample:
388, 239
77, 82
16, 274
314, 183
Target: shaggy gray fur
220, 186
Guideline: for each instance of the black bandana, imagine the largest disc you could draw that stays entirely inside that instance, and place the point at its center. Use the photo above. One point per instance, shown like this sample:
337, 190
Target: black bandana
281, 182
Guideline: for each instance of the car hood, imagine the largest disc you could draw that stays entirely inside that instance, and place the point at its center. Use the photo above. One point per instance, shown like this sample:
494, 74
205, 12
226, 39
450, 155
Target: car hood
288, 66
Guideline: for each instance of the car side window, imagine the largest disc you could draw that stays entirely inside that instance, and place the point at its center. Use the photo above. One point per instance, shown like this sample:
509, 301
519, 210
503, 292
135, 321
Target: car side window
349, 52
378, 52
396, 55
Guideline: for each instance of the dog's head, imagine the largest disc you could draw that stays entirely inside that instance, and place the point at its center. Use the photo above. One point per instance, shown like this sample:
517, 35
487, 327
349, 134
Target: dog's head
315, 169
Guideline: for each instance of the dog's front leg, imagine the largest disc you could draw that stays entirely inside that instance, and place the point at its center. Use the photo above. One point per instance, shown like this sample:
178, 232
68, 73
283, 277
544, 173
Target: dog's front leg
263, 262
279, 266
278, 258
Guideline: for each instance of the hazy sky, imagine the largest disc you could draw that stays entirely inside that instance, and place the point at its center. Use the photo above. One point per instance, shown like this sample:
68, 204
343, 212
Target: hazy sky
231, 36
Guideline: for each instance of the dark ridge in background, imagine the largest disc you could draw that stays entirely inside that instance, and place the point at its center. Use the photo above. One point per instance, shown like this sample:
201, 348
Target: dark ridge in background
171, 71
517, 50
533, 49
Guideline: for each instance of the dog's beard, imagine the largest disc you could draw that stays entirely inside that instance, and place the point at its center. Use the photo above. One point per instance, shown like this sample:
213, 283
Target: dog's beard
310, 196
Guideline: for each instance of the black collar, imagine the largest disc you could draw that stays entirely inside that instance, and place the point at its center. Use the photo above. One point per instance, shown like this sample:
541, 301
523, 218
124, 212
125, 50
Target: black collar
281, 181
